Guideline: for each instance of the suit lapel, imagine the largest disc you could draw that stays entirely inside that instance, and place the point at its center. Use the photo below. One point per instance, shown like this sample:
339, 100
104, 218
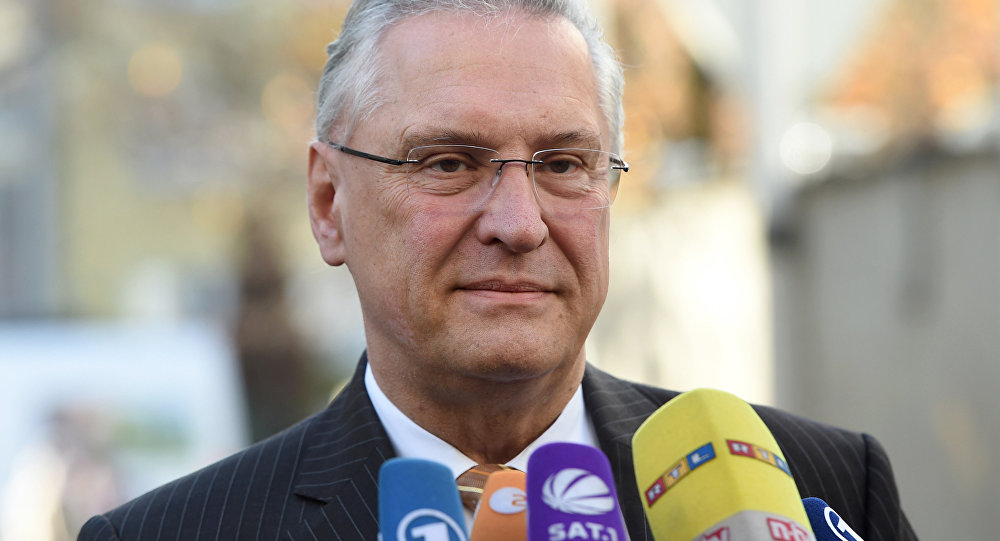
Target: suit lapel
337, 479
617, 408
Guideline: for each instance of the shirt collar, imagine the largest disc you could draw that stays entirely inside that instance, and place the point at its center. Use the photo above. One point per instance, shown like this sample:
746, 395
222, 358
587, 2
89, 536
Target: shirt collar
410, 440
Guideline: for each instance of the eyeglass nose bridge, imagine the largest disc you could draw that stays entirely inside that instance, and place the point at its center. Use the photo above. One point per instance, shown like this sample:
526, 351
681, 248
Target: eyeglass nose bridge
503, 162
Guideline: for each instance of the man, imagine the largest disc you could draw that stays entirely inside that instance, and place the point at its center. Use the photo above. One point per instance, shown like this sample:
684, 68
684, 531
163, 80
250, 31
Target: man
480, 256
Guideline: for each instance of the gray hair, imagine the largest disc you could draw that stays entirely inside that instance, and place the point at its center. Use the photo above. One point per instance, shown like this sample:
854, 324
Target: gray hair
348, 89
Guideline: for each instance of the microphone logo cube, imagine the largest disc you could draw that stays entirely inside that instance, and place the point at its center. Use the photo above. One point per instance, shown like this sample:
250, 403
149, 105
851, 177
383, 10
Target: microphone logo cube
417, 501
571, 495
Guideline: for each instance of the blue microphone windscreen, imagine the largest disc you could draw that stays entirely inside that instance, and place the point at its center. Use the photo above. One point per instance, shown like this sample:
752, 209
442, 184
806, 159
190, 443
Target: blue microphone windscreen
571, 495
418, 499
826, 523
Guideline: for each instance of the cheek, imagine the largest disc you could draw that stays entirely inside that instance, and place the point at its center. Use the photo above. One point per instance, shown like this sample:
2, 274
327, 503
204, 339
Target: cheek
437, 230
584, 243
384, 221
394, 202
374, 224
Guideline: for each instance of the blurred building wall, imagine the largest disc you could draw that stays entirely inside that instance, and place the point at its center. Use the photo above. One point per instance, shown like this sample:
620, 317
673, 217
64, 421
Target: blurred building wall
888, 315
689, 300
29, 213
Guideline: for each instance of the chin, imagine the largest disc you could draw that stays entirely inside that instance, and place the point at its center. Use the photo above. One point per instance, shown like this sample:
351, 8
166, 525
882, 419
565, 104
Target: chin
516, 364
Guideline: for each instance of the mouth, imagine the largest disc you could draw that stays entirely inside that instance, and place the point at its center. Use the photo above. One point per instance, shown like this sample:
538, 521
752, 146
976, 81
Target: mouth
502, 286
506, 293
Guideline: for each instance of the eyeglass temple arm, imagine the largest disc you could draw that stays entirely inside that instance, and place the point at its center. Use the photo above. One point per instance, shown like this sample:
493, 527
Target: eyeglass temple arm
618, 163
368, 156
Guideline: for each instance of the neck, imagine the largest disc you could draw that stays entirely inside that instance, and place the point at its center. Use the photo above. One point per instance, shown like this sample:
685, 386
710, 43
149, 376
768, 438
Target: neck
488, 419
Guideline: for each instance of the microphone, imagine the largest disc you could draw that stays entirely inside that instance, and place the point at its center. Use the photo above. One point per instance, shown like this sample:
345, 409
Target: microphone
571, 495
708, 468
501, 514
826, 523
418, 499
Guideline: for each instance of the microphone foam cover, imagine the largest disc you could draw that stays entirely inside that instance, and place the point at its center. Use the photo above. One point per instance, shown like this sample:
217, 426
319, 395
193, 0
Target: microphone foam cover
705, 462
502, 512
571, 495
419, 498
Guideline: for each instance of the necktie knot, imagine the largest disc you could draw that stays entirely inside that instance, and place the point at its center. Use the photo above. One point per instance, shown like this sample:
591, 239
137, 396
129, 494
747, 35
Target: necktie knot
472, 481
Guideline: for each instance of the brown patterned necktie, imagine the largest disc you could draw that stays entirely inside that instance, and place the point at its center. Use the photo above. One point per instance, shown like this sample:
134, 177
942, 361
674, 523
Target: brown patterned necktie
472, 481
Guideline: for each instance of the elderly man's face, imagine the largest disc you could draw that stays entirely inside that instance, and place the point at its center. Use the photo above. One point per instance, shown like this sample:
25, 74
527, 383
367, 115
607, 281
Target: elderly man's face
503, 291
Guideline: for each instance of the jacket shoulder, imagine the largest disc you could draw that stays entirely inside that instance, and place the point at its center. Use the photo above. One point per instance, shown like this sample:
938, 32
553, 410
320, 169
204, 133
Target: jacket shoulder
847, 469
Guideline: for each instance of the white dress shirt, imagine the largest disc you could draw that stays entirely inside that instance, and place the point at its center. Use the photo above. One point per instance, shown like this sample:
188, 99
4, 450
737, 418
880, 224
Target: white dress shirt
410, 440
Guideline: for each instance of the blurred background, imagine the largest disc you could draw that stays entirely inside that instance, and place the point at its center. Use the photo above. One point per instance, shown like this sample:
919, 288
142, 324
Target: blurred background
812, 221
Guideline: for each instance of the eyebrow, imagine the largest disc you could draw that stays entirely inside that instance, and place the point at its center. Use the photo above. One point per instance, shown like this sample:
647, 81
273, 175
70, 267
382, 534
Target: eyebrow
451, 136
443, 136
578, 139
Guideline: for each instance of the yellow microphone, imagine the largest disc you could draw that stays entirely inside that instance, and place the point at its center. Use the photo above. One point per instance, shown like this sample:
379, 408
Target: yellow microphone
501, 513
709, 469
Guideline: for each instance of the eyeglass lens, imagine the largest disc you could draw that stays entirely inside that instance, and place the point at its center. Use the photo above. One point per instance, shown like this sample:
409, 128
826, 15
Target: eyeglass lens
565, 180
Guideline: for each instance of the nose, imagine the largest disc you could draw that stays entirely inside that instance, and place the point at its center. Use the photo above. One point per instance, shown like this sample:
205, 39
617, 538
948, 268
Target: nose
511, 215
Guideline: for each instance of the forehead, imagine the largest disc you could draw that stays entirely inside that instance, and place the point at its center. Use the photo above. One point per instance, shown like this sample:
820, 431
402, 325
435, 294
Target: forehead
503, 80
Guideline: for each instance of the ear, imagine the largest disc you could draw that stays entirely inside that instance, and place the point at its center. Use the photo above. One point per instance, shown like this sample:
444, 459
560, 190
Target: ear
324, 212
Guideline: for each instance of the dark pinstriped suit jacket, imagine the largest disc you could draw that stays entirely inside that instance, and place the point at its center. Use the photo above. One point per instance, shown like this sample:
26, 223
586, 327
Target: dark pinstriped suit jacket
318, 479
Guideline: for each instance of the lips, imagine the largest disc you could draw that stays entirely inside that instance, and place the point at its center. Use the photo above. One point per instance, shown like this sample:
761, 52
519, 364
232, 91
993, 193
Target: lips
505, 286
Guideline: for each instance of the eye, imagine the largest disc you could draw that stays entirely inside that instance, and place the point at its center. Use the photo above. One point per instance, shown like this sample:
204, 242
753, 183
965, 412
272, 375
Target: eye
450, 161
559, 166
447, 165
563, 164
